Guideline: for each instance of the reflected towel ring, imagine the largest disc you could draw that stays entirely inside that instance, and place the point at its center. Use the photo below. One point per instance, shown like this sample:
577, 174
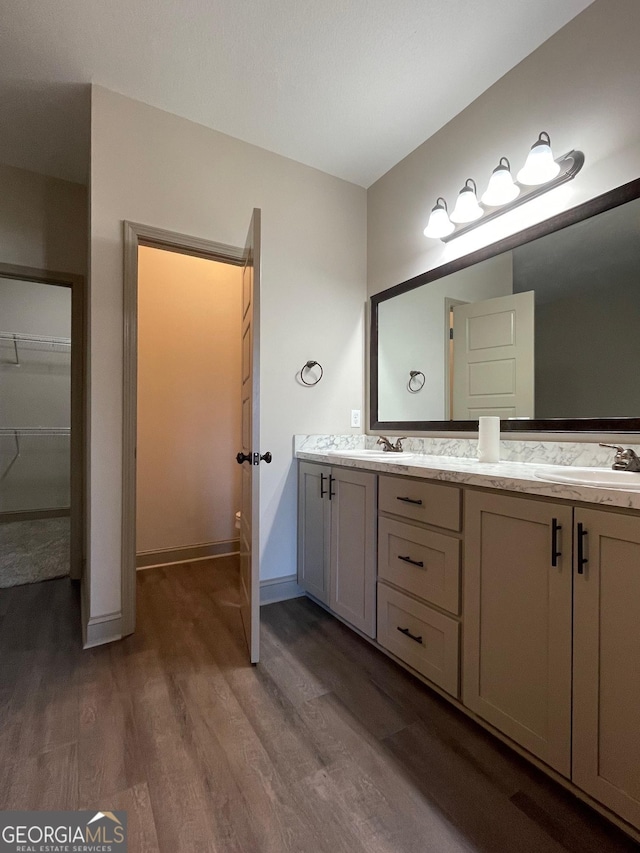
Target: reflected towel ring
308, 366
411, 388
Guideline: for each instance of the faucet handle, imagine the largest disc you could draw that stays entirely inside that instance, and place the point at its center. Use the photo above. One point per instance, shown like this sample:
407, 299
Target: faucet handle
398, 444
384, 441
613, 447
624, 460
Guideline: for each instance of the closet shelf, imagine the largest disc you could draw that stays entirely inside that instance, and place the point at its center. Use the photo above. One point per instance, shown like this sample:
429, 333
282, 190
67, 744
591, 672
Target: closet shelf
42, 343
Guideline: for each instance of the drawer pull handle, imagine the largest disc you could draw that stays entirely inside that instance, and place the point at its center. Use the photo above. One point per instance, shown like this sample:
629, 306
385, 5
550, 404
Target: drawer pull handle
582, 560
411, 636
555, 553
410, 501
323, 491
418, 563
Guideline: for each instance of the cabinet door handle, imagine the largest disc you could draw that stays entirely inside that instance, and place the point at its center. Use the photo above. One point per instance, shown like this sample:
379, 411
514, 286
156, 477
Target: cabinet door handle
411, 636
418, 563
582, 560
323, 491
332, 494
555, 527
410, 501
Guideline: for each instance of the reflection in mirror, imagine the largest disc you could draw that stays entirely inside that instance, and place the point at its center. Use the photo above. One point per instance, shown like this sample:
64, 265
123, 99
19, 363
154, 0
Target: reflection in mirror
549, 329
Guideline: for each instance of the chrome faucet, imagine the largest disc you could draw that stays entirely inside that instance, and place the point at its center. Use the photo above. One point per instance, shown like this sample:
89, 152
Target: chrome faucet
388, 447
624, 460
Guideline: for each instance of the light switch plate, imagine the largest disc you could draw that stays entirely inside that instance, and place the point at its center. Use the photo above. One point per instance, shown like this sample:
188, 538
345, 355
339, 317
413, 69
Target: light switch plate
355, 417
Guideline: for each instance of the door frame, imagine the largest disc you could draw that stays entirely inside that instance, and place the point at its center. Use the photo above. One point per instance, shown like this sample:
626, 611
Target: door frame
78, 456
449, 304
135, 235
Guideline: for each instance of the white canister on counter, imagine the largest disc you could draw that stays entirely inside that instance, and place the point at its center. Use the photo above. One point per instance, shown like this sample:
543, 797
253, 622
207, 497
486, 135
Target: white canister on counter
489, 439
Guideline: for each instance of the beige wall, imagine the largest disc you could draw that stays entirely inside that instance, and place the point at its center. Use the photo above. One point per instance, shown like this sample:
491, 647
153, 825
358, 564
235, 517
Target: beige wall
581, 86
43, 222
158, 169
189, 330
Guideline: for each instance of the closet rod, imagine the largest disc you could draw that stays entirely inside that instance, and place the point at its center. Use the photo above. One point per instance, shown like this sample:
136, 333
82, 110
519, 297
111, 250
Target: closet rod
36, 431
34, 339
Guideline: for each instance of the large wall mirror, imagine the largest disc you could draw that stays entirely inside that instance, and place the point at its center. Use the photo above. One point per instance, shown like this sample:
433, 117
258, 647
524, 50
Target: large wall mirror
541, 329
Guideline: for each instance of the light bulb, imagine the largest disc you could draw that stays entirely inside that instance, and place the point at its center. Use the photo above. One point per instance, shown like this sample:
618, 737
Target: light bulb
501, 189
540, 166
467, 208
439, 224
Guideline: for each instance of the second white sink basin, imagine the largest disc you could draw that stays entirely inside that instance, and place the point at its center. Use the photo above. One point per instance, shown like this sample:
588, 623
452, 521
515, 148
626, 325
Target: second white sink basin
605, 478
363, 453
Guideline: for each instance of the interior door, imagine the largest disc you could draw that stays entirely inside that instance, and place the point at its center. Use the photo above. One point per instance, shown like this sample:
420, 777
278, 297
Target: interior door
250, 453
493, 358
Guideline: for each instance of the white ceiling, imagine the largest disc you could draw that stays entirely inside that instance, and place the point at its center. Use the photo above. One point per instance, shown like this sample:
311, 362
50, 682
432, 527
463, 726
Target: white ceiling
348, 86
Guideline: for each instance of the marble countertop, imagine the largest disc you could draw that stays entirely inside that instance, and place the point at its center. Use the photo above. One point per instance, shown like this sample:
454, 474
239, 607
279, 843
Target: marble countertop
508, 476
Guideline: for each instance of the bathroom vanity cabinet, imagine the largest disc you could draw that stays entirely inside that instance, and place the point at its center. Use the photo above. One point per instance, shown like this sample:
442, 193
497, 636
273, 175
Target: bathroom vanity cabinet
606, 662
314, 529
543, 578
337, 541
517, 617
419, 576
524, 609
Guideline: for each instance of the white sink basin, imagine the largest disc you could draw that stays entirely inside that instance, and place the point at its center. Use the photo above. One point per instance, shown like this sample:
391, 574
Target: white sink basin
605, 478
363, 453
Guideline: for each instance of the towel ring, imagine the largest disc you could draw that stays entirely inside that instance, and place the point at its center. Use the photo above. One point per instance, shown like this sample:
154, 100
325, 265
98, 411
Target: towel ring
308, 366
411, 388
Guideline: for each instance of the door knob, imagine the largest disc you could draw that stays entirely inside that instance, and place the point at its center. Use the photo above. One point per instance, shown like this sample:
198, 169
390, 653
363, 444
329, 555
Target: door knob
254, 458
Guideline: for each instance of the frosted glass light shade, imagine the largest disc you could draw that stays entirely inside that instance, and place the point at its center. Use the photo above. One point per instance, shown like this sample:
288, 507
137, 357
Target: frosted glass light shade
467, 208
439, 224
501, 188
540, 166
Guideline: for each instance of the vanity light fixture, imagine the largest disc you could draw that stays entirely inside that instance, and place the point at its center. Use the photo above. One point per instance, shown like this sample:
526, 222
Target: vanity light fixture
467, 208
540, 166
502, 188
539, 174
439, 225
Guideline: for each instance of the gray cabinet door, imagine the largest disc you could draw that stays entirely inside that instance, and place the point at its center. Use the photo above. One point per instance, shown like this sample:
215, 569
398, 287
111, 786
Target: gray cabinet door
517, 622
353, 548
606, 687
314, 529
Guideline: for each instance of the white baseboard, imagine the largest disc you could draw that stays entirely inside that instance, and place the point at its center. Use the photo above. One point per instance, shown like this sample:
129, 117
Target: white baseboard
279, 589
102, 629
186, 554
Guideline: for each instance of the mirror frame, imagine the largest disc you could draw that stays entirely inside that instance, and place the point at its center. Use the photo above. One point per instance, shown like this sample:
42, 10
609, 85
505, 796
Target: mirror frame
599, 204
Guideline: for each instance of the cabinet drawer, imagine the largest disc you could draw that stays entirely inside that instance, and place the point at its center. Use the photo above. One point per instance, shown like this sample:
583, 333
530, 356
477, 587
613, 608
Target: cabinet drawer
425, 563
433, 648
421, 501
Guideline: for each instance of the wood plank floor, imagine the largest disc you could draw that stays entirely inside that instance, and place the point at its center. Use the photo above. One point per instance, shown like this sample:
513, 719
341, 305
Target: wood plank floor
325, 747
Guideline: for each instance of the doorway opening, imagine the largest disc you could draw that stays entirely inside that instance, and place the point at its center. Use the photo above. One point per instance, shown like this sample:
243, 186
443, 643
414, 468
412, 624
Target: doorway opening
188, 408
41, 426
136, 238
449, 305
